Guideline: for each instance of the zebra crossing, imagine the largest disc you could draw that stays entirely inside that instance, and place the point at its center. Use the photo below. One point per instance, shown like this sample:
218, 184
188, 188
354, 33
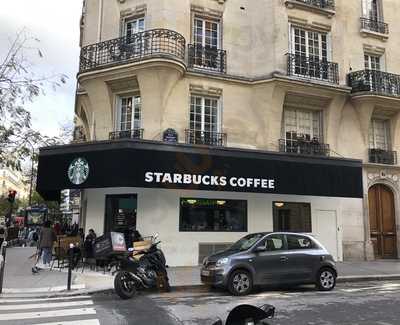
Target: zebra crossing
61, 310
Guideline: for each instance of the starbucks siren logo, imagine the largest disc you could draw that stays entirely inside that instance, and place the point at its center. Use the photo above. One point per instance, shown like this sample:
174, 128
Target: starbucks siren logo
78, 171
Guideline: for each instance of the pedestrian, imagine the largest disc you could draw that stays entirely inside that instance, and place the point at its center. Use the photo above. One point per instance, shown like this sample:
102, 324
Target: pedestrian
46, 240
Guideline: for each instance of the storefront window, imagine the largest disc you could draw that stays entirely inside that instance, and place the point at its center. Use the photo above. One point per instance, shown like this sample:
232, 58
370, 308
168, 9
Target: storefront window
292, 217
213, 215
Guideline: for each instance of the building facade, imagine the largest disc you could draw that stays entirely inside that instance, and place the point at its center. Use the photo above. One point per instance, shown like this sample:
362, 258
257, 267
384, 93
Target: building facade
11, 179
308, 82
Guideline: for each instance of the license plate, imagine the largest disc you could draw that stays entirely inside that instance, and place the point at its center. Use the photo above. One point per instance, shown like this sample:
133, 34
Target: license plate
205, 273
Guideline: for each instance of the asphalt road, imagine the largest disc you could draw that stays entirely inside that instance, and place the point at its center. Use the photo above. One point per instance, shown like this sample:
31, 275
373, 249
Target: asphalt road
368, 303
365, 303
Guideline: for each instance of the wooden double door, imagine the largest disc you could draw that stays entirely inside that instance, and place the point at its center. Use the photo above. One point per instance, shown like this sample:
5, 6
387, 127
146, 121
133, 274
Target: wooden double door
382, 220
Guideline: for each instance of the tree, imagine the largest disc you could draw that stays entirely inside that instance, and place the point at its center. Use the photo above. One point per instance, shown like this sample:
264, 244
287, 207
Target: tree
19, 85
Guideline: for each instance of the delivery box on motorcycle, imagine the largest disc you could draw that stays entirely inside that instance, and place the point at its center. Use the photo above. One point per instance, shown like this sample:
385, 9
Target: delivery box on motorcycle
109, 244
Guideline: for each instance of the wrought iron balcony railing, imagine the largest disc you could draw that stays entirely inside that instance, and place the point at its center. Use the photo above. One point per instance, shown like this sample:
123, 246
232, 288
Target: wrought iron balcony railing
205, 138
207, 58
374, 81
304, 147
139, 46
312, 68
374, 25
127, 134
323, 4
380, 156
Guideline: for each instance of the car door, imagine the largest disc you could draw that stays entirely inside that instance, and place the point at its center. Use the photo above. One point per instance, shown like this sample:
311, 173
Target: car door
270, 264
302, 256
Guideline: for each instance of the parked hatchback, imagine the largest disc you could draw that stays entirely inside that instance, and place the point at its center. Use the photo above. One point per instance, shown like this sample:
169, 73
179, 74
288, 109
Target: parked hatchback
269, 259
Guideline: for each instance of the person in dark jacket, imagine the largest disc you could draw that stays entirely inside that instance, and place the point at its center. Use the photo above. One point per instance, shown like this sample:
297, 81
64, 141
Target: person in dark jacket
46, 240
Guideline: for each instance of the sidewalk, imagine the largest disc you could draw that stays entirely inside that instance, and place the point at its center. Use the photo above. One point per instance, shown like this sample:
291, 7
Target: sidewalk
19, 278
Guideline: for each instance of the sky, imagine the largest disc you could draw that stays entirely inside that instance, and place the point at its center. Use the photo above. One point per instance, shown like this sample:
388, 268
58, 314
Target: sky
56, 24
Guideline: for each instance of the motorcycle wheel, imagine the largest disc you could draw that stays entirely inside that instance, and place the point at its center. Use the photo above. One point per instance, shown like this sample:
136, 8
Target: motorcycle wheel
124, 285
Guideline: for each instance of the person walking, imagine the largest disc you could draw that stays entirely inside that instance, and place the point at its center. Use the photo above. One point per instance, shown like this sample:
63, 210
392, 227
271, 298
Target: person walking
46, 240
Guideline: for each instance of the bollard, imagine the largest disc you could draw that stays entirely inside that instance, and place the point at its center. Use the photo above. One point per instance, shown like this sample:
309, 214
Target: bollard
2, 263
70, 261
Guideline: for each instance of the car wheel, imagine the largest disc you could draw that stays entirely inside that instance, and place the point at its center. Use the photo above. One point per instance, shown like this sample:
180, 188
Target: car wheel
240, 283
326, 279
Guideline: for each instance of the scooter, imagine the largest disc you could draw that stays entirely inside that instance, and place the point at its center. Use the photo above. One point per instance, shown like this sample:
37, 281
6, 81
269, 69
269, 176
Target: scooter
249, 315
141, 269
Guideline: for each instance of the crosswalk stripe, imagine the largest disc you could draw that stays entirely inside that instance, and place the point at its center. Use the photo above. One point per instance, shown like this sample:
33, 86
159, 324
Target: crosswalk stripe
47, 305
49, 314
30, 299
75, 322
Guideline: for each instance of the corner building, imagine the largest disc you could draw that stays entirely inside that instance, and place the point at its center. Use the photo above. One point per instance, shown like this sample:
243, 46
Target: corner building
294, 104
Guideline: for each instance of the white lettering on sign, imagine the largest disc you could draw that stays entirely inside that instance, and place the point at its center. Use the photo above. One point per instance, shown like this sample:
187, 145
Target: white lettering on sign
241, 182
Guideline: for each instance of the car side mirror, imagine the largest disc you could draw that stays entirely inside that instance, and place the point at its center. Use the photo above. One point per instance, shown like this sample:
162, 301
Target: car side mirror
260, 249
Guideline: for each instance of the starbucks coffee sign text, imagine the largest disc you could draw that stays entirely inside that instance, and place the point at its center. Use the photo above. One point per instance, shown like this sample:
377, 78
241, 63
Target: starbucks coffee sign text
208, 180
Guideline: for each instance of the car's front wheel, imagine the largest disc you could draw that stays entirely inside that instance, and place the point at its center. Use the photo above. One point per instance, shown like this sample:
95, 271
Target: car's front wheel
326, 279
240, 283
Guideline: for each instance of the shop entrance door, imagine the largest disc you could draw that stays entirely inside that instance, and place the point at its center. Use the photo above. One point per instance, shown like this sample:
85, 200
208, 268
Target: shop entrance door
382, 221
121, 214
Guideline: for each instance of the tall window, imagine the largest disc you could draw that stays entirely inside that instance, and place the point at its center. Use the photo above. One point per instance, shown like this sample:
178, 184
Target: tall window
129, 113
302, 123
292, 217
206, 39
372, 62
133, 26
204, 115
379, 134
371, 9
310, 48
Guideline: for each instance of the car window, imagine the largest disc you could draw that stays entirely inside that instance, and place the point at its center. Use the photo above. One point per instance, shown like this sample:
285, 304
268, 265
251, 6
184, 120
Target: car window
299, 242
273, 243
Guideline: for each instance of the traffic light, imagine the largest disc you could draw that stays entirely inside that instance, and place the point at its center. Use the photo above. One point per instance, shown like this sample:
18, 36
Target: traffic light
11, 196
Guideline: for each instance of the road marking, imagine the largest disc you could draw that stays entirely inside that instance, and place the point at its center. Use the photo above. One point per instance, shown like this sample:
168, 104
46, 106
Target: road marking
75, 322
30, 299
49, 314
48, 305
383, 286
44, 289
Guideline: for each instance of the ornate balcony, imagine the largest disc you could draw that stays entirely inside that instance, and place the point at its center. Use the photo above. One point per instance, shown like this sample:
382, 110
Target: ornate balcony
312, 68
205, 138
303, 146
127, 134
207, 58
374, 25
322, 4
374, 81
152, 43
380, 156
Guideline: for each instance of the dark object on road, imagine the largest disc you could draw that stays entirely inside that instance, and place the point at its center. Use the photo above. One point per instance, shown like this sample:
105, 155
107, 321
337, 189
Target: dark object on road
249, 315
270, 259
143, 268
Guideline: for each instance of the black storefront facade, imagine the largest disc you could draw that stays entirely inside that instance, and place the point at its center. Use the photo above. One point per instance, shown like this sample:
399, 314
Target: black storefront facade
200, 199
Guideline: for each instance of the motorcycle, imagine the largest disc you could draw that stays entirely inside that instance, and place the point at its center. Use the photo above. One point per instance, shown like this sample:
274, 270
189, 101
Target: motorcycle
249, 315
141, 269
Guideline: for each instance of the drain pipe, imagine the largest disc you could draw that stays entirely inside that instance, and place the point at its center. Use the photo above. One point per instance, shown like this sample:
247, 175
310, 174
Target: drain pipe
100, 21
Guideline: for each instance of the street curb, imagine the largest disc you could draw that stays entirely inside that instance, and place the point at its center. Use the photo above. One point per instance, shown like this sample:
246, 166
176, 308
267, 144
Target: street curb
182, 288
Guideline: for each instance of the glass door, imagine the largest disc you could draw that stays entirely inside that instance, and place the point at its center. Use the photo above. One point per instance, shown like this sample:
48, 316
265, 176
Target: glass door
120, 215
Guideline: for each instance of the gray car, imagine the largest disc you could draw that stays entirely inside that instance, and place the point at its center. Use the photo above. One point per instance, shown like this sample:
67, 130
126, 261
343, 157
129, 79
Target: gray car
269, 259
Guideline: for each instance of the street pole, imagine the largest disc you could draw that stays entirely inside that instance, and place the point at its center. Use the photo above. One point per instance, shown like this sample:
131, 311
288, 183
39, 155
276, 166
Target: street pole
3, 247
70, 255
32, 170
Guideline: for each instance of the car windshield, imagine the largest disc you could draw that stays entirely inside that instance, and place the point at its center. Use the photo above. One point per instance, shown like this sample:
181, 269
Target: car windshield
246, 242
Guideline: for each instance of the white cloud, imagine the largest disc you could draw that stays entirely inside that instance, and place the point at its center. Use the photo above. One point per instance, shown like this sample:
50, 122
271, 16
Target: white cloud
56, 24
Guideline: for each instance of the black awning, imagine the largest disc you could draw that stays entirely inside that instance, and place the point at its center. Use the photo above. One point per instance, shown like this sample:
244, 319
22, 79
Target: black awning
129, 163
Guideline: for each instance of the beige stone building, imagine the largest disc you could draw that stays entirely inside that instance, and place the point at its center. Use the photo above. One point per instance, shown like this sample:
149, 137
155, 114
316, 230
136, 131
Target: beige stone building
11, 179
305, 79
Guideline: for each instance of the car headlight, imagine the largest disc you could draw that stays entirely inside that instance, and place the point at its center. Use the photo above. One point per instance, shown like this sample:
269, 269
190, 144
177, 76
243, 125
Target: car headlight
222, 261
204, 261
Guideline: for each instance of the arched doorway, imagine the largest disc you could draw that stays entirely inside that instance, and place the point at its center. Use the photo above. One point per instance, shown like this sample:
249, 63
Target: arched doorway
382, 221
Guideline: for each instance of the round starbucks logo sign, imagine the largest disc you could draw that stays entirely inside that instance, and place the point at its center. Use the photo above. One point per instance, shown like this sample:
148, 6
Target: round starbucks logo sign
78, 171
